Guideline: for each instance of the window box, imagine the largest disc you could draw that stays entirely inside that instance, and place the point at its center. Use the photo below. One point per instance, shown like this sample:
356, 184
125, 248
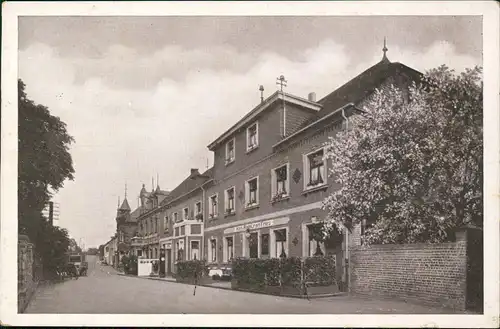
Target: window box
229, 212
279, 197
229, 161
199, 217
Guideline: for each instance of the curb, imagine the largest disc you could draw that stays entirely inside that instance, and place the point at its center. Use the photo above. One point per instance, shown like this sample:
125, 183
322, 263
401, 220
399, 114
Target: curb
239, 290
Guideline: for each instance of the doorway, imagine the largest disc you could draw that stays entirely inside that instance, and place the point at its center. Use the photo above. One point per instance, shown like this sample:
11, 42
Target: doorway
168, 261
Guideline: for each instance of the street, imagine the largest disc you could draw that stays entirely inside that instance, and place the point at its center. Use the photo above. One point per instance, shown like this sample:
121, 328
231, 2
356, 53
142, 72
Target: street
103, 291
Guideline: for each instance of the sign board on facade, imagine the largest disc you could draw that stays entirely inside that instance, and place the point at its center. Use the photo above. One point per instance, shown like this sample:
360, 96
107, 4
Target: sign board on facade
257, 225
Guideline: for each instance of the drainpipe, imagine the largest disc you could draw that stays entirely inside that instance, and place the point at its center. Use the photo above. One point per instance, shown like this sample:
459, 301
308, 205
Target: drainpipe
346, 260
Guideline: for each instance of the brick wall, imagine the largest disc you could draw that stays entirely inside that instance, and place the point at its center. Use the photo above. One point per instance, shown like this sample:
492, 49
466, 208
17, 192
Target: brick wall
433, 274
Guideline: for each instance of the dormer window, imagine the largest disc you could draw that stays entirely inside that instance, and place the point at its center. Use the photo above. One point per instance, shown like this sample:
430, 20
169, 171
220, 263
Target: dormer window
230, 152
252, 137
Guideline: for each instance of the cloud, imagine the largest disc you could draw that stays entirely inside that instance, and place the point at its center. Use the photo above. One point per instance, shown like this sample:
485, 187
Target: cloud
133, 115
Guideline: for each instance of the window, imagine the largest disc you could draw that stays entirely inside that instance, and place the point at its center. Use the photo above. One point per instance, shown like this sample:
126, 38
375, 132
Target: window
185, 213
197, 208
252, 192
176, 231
156, 225
229, 201
165, 223
176, 219
314, 170
264, 245
253, 244
213, 250
229, 249
315, 247
252, 137
139, 253
279, 183
213, 202
183, 230
195, 250
280, 243
230, 153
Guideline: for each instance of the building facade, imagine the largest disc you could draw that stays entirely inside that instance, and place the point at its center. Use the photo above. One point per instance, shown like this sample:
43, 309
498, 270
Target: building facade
270, 176
183, 220
145, 243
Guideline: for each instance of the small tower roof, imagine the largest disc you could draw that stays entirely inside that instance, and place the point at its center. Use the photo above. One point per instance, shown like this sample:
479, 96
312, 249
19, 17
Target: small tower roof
125, 205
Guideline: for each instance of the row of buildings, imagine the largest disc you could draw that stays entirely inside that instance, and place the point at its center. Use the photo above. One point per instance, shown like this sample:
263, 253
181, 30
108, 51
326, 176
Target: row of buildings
264, 193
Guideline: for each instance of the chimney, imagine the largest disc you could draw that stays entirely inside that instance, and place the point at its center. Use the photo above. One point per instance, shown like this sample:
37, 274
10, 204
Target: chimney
194, 171
312, 97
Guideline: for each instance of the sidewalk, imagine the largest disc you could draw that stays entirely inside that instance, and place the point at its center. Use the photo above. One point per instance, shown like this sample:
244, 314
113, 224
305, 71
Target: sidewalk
339, 304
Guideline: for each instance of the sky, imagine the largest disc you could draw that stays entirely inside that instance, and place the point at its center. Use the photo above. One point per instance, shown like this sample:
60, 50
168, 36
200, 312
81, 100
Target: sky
144, 96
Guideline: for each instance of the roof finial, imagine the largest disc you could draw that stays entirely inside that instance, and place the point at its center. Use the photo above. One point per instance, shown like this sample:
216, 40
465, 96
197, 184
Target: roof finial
157, 180
125, 190
384, 58
261, 88
281, 82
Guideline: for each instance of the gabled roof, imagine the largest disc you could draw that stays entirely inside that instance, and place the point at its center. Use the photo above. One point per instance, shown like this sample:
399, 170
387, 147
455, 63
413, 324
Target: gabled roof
266, 104
361, 86
125, 205
192, 182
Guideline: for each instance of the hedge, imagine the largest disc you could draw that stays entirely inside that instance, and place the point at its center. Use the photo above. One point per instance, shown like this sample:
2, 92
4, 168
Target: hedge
191, 270
129, 264
278, 275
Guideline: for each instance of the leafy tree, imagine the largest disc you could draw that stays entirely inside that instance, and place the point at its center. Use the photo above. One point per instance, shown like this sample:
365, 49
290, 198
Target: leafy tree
411, 167
44, 164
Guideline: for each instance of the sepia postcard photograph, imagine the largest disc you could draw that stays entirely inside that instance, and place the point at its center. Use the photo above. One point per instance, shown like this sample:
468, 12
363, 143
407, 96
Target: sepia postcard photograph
250, 164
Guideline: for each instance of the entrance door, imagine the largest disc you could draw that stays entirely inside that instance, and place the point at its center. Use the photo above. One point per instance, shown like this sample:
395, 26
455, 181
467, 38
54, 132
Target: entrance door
169, 261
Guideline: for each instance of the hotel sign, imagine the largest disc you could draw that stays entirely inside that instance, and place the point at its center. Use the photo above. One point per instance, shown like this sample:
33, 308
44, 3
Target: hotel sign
256, 225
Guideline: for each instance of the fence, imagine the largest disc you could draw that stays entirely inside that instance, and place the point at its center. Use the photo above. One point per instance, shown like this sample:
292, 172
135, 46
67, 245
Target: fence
28, 272
433, 274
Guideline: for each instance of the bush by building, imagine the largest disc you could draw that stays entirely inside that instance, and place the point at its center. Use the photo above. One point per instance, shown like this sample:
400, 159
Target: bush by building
192, 271
284, 276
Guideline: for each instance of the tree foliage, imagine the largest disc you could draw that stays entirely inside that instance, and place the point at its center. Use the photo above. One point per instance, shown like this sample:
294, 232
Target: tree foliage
44, 164
412, 163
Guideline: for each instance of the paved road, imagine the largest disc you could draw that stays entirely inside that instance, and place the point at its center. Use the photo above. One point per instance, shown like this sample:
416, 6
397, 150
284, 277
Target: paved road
103, 291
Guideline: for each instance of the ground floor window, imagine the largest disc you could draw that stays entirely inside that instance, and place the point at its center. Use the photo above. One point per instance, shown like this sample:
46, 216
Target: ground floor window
213, 251
228, 249
195, 250
264, 245
139, 253
280, 246
316, 247
253, 243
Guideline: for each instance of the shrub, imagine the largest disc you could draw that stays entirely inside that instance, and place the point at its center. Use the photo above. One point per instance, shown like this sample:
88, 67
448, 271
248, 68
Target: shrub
261, 274
191, 269
320, 270
129, 264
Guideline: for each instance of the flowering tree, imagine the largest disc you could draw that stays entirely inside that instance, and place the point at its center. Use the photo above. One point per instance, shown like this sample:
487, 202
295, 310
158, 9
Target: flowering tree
411, 164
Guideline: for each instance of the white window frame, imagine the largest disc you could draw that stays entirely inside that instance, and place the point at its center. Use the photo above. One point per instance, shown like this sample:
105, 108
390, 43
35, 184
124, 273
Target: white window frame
227, 159
225, 254
226, 201
274, 181
211, 258
190, 245
307, 167
272, 240
247, 193
212, 214
184, 216
252, 147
